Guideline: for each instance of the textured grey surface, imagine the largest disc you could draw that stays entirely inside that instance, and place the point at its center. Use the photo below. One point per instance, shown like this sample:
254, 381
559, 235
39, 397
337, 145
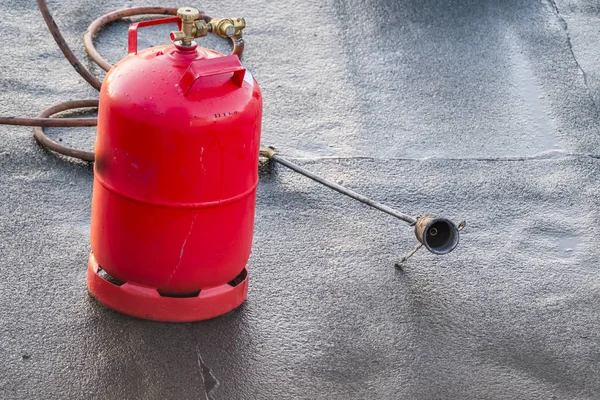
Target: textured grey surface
470, 109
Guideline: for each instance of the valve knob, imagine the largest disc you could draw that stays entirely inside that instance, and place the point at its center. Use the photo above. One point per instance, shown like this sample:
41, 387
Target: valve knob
188, 14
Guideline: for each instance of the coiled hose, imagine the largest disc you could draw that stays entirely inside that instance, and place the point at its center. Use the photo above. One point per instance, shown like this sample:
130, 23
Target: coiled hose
44, 119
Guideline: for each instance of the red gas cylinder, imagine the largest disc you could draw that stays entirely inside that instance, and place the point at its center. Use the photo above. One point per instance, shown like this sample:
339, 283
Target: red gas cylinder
174, 182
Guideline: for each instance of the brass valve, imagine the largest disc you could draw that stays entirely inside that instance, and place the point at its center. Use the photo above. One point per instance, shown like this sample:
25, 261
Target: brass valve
193, 27
188, 30
227, 27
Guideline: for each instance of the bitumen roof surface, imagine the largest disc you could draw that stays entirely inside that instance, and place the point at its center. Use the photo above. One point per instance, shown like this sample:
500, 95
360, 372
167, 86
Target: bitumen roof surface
479, 110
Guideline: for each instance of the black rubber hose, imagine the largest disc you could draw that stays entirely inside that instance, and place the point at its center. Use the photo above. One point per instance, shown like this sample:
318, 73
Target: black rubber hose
40, 136
64, 47
49, 122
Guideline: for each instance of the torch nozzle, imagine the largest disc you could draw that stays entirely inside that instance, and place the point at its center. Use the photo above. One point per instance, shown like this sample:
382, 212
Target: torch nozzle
438, 235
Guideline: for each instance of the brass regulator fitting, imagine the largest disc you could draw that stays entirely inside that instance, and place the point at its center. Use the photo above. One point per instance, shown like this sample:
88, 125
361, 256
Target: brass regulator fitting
227, 27
192, 26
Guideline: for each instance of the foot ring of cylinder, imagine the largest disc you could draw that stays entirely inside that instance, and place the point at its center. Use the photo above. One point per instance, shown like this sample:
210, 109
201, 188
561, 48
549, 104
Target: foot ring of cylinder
147, 303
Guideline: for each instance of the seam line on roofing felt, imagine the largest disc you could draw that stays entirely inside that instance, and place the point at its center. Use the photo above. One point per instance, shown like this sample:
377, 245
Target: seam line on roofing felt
209, 382
565, 28
551, 156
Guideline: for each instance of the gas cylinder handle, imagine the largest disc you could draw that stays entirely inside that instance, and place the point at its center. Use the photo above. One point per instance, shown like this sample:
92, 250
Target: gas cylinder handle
132, 34
211, 67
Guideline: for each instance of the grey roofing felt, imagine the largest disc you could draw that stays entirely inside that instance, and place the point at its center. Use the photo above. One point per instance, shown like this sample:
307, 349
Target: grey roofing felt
469, 109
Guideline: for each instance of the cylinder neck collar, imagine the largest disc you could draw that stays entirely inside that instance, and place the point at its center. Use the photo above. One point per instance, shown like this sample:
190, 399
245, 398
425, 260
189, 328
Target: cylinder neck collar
181, 47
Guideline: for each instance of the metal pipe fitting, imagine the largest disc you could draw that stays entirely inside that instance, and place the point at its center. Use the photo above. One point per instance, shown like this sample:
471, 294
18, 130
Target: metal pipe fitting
227, 27
193, 26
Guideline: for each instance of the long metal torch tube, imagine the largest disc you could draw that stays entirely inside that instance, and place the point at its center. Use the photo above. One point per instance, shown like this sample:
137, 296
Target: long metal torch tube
338, 188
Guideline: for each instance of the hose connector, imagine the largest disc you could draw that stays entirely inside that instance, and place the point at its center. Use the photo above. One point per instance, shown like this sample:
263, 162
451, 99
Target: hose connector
267, 152
227, 27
